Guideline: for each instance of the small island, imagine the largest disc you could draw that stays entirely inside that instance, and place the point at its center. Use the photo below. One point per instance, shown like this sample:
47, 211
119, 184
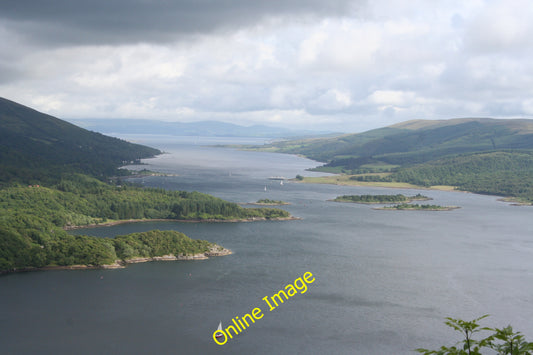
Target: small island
417, 207
268, 202
380, 199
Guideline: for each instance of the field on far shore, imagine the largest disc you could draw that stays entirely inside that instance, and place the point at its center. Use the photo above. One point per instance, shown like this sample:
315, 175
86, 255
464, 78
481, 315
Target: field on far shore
345, 180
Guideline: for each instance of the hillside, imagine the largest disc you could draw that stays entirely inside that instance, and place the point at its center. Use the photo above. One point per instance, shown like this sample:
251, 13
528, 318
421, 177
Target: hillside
35, 147
416, 141
490, 156
45, 189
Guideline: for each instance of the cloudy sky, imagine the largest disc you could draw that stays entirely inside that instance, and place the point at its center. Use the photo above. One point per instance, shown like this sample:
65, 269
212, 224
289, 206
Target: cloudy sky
345, 65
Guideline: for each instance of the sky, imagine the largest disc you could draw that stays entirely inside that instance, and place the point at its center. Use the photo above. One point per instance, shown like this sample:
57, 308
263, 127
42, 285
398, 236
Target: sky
338, 65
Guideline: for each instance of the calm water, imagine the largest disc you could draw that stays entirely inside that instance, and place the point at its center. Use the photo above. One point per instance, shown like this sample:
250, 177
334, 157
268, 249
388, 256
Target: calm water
385, 280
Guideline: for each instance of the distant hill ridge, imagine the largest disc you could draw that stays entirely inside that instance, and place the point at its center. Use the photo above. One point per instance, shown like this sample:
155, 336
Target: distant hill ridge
201, 128
523, 126
36, 146
417, 141
483, 155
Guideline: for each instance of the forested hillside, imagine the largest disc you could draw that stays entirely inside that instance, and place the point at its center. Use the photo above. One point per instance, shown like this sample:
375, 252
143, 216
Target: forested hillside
491, 156
495, 173
51, 176
33, 218
36, 148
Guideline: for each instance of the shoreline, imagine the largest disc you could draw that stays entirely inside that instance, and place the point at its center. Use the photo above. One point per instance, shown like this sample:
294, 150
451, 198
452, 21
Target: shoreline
264, 204
514, 201
444, 208
381, 203
214, 250
340, 181
125, 221
343, 180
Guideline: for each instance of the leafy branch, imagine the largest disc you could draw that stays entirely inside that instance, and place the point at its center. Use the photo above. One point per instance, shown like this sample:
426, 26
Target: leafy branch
504, 341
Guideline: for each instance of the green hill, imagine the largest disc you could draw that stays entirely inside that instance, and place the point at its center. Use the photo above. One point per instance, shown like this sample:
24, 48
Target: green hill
35, 147
416, 141
492, 156
55, 158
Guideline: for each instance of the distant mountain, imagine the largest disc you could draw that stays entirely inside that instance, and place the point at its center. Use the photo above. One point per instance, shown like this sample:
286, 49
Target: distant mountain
416, 141
203, 128
36, 146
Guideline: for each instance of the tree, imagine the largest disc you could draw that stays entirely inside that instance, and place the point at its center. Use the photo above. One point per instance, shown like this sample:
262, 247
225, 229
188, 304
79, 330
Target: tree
512, 343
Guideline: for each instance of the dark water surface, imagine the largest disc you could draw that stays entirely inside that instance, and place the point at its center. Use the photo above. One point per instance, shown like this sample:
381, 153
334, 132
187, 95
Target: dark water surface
384, 280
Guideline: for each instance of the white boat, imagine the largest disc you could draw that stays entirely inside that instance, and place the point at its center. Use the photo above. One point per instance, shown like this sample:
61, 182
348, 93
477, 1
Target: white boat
220, 334
265, 188
281, 182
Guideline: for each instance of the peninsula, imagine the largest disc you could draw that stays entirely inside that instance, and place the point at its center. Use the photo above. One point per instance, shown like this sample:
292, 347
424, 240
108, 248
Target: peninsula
55, 176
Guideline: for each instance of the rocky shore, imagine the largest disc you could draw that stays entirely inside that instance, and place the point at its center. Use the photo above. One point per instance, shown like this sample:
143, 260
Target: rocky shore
214, 250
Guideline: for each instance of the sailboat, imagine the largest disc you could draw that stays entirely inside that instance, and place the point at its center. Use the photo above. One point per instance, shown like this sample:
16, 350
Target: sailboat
221, 333
265, 188
281, 182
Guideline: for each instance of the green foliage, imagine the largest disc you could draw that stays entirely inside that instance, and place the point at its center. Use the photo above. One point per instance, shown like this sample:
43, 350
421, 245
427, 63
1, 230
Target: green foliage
158, 243
371, 178
503, 341
486, 156
379, 198
513, 343
495, 173
414, 142
32, 219
266, 201
416, 206
36, 148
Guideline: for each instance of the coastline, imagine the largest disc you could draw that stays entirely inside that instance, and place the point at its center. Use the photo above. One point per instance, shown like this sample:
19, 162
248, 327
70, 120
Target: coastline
344, 180
514, 201
382, 203
214, 250
125, 221
264, 204
445, 208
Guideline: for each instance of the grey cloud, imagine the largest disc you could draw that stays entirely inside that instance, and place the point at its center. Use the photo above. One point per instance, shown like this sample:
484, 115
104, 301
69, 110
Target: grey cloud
130, 21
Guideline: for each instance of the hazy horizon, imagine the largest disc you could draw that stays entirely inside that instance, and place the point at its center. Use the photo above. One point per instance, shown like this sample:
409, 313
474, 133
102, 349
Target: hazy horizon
342, 65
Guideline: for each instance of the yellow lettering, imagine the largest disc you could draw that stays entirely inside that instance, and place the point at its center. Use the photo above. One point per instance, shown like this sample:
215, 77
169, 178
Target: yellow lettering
242, 325
231, 327
292, 290
216, 339
303, 287
279, 297
266, 300
249, 316
240, 330
257, 310
306, 278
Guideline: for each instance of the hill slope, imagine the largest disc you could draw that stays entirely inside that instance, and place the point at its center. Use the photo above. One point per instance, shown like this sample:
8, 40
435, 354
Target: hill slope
416, 141
481, 155
36, 146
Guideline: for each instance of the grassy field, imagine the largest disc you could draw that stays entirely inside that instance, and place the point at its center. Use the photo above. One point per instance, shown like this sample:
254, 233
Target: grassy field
345, 180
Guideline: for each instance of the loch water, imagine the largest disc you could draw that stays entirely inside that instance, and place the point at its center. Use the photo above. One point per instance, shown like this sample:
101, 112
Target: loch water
384, 280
